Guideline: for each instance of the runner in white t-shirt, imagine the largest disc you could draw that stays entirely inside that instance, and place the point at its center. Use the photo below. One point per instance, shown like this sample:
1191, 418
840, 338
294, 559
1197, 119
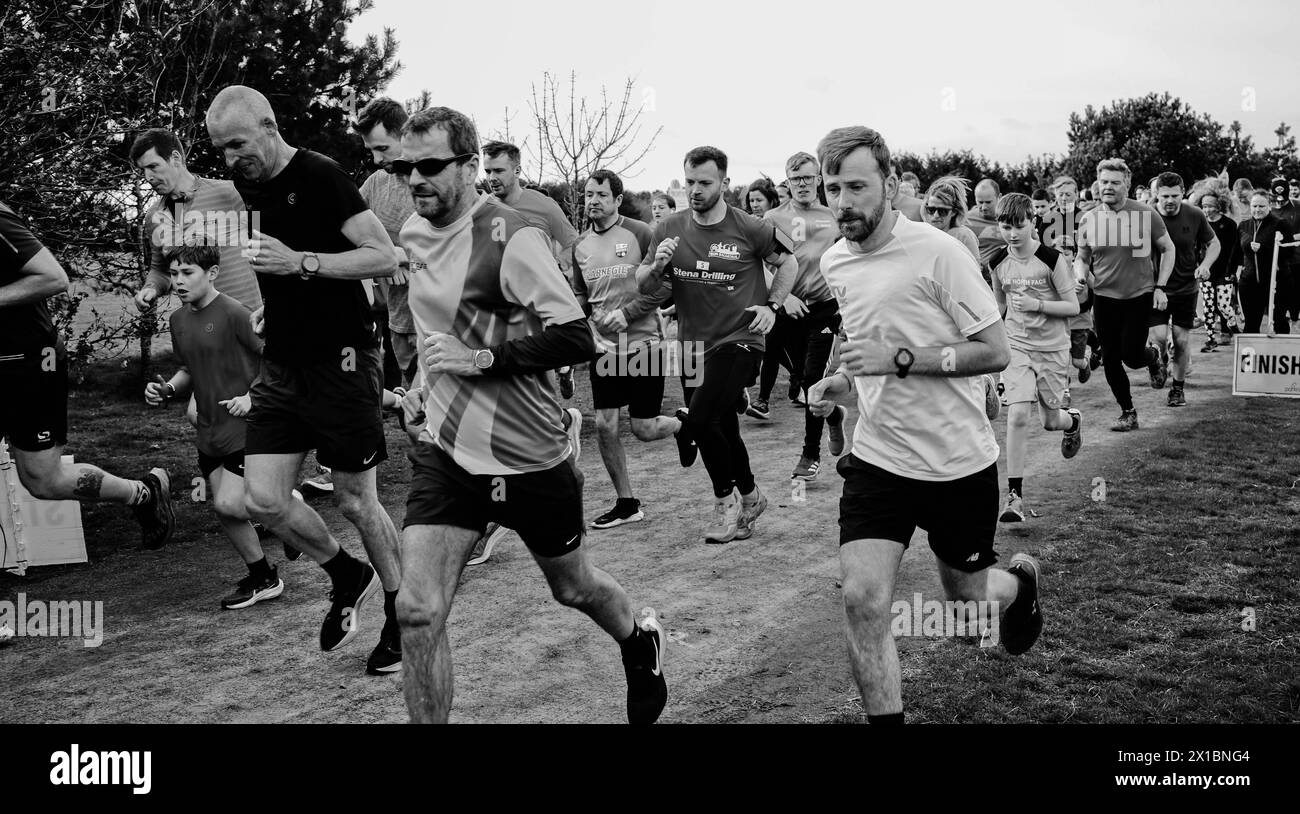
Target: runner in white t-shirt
922, 327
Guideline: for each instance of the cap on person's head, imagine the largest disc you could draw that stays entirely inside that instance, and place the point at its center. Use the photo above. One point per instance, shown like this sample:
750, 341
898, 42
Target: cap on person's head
1279, 186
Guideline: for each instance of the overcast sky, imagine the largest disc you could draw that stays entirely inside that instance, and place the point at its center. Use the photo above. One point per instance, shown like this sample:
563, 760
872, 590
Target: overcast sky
759, 82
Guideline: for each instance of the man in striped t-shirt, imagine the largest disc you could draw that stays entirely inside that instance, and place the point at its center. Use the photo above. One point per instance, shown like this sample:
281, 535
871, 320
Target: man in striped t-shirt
492, 313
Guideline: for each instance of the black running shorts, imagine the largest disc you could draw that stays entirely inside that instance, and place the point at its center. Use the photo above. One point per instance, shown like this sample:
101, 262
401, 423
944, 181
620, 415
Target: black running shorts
961, 516
232, 463
34, 400
332, 407
544, 508
1181, 310
635, 381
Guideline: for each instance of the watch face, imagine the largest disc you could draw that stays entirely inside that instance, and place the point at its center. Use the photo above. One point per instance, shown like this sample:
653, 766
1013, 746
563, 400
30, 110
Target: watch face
311, 263
904, 357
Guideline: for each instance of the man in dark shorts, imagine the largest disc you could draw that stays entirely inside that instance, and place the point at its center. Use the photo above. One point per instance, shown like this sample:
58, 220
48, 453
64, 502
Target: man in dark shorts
1116, 239
320, 385
630, 368
922, 327
493, 313
34, 381
1195, 249
711, 260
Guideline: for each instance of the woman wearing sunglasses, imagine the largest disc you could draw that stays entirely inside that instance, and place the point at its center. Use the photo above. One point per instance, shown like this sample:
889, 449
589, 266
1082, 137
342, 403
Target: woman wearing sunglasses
945, 210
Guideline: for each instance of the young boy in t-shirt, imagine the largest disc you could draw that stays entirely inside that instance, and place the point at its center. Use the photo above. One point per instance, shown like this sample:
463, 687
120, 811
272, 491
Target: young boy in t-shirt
1034, 288
219, 356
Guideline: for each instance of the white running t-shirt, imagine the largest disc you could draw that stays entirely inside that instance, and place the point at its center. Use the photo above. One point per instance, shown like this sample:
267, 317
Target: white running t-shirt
922, 289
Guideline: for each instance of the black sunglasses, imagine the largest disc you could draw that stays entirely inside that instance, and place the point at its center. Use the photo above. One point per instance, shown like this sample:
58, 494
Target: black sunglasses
429, 167
937, 210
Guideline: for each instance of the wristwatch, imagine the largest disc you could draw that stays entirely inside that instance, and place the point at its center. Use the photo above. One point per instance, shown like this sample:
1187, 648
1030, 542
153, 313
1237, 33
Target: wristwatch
484, 358
903, 359
310, 265
776, 308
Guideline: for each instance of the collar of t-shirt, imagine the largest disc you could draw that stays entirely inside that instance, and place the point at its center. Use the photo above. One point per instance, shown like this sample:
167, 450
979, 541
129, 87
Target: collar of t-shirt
458, 223
853, 249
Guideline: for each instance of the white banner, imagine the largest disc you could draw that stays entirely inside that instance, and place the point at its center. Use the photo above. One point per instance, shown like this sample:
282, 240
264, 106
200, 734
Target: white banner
1266, 365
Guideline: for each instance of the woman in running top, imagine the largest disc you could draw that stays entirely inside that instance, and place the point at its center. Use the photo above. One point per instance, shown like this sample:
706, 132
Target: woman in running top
945, 210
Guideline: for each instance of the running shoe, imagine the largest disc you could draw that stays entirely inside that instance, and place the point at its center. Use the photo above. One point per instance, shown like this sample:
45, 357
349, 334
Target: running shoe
250, 590
1072, 441
1128, 420
575, 432
156, 516
1095, 361
387, 655
1210, 346
1023, 621
1085, 373
759, 409
750, 508
492, 536
1013, 511
835, 431
686, 449
565, 375
722, 525
626, 510
806, 469
647, 690
321, 484
1155, 368
342, 621
1176, 397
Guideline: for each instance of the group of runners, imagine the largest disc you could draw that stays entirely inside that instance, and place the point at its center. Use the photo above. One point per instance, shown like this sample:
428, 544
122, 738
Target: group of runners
295, 285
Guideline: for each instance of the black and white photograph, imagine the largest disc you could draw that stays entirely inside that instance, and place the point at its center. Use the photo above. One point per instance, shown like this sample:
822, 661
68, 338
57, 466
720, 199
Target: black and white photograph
721, 363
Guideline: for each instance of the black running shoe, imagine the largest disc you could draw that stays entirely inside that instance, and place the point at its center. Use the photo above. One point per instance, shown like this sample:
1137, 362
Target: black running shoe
1085, 373
759, 409
387, 655
156, 516
565, 375
250, 590
624, 511
686, 449
1023, 621
342, 622
647, 690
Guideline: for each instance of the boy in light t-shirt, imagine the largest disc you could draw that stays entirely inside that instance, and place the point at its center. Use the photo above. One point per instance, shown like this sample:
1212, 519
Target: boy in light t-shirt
1035, 290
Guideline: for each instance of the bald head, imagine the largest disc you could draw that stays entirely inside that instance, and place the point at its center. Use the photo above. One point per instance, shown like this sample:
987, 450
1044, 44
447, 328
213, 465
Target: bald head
242, 126
986, 197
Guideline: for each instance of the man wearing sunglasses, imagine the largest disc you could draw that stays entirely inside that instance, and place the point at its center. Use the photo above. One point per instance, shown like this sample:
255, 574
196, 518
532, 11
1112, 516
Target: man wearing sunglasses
811, 308
320, 385
493, 315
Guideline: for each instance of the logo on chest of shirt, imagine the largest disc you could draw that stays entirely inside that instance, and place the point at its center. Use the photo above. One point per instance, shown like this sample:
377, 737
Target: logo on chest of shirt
725, 251
620, 250
293, 198
208, 328
840, 291
417, 265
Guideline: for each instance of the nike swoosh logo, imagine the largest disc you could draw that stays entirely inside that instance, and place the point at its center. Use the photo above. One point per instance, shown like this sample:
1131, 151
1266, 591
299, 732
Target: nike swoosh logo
658, 668
371, 458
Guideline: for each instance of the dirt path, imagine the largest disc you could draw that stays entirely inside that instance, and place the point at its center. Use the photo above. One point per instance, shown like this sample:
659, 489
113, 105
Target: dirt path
755, 626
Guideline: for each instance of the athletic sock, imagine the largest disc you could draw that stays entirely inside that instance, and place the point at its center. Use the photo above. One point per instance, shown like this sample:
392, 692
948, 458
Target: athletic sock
892, 719
1014, 485
140, 495
390, 606
628, 503
260, 569
1178, 385
344, 569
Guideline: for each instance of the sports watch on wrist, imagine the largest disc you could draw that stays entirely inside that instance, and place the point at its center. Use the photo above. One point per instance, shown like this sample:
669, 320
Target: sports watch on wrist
310, 265
484, 358
903, 359
776, 307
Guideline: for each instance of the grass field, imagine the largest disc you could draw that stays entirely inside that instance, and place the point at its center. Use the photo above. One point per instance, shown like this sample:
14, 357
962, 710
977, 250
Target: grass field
1143, 593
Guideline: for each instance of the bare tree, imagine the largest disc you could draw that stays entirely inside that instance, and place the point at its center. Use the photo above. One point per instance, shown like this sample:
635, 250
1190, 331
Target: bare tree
581, 136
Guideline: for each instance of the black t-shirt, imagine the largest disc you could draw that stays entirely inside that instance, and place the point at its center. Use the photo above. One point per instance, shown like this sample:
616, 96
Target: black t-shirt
1225, 265
25, 330
305, 207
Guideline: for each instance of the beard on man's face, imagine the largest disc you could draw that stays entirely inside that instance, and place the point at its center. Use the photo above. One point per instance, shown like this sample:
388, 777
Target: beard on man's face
857, 228
708, 203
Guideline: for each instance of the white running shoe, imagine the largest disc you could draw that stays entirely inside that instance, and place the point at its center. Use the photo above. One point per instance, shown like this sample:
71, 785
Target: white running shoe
575, 432
722, 526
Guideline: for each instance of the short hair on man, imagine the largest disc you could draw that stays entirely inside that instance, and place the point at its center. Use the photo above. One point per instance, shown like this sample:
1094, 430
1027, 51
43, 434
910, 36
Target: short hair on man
912, 177
1064, 179
796, 161
666, 198
838, 144
1014, 208
1114, 165
705, 154
462, 136
383, 110
1040, 194
1169, 179
989, 183
495, 148
204, 254
603, 176
160, 140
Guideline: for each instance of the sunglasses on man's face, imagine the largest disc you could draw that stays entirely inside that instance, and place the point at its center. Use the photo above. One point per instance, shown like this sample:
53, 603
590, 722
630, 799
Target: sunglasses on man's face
428, 167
